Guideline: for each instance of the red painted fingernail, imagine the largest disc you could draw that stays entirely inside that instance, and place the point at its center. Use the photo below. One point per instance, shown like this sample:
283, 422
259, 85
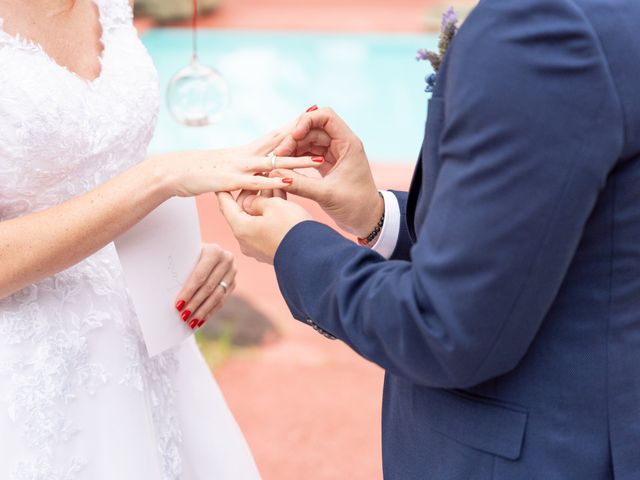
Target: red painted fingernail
312, 109
185, 315
200, 323
180, 305
317, 159
193, 324
288, 181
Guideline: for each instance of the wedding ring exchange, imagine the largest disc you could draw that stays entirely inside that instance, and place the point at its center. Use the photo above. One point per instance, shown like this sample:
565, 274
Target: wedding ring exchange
273, 158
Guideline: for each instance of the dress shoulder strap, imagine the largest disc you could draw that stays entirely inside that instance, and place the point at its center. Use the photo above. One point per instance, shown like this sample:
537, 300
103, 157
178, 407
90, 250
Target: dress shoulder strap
115, 13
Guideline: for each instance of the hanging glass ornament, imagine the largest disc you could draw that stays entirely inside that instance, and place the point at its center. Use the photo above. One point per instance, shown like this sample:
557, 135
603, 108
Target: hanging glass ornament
197, 94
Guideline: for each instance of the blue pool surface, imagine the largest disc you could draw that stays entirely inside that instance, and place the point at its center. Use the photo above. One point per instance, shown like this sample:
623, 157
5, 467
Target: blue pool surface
372, 81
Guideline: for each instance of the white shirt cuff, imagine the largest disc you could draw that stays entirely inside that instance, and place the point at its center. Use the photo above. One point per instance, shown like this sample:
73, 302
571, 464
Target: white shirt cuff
388, 238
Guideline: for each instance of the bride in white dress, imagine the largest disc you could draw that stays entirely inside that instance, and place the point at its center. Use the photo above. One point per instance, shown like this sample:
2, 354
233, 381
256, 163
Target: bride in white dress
79, 396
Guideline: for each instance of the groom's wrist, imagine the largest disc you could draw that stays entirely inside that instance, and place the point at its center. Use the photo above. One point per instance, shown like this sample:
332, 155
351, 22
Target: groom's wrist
374, 232
372, 222
387, 240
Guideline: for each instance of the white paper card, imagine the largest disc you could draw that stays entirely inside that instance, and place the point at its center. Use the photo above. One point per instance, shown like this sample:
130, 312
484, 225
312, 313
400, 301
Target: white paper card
157, 256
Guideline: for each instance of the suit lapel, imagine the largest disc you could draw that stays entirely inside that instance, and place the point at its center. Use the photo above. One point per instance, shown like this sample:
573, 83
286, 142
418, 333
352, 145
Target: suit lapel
426, 172
427, 169
414, 193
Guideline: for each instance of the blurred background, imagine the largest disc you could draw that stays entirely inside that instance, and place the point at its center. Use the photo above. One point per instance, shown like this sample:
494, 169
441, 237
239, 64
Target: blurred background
309, 407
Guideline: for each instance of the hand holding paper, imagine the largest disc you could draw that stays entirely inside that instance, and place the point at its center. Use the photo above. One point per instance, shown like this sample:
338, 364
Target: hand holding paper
162, 257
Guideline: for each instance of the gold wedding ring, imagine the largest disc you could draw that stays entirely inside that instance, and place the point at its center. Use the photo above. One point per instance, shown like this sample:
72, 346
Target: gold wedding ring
224, 285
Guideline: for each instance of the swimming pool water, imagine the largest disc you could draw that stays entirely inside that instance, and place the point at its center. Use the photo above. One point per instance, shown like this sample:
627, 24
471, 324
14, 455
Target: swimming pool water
372, 81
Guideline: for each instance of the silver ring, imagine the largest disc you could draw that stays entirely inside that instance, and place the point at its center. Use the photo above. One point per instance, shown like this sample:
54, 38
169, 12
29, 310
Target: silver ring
224, 285
272, 156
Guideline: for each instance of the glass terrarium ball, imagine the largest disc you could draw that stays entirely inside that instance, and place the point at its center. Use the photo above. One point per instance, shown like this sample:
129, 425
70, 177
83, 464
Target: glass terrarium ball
197, 95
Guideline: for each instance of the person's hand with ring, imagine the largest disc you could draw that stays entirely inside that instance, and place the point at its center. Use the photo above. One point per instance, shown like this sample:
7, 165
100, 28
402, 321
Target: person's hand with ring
208, 286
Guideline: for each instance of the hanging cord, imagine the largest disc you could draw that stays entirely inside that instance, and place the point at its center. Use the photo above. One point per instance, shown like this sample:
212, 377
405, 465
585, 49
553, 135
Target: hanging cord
194, 28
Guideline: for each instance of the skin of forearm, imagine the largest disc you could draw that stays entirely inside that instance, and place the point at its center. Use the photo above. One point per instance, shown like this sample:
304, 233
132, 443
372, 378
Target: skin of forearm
39, 245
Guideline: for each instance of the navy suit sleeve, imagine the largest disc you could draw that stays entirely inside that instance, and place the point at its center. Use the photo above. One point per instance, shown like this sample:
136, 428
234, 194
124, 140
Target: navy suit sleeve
532, 128
403, 247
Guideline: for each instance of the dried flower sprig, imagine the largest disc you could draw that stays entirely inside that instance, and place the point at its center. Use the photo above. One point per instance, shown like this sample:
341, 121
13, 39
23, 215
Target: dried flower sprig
448, 30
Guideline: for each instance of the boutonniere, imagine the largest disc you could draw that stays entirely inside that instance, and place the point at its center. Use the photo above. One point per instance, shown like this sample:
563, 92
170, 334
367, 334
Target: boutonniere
448, 30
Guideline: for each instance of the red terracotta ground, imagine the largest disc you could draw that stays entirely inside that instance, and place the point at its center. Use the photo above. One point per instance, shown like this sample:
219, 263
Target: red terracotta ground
310, 408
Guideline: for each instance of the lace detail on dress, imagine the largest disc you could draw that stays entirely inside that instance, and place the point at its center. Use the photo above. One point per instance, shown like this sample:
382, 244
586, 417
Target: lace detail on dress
115, 13
54, 367
163, 407
16, 41
35, 470
152, 374
57, 337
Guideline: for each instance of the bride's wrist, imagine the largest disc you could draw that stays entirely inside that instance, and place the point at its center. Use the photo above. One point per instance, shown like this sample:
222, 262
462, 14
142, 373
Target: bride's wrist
161, 172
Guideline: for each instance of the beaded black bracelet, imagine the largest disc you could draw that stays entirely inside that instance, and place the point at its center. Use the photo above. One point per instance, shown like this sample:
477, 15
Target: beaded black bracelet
376, 231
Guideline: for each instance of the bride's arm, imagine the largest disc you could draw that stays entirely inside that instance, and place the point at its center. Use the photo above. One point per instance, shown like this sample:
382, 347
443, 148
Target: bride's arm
41, 244
38, 245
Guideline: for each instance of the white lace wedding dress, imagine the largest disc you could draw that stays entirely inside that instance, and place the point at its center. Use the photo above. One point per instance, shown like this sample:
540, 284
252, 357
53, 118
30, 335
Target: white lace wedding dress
79, 397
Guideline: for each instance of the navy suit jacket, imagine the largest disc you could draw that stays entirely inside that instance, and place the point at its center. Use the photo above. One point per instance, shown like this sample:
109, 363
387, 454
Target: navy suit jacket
508, 319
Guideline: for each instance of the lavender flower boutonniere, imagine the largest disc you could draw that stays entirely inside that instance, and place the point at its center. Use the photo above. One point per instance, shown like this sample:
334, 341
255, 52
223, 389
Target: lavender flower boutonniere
448, 30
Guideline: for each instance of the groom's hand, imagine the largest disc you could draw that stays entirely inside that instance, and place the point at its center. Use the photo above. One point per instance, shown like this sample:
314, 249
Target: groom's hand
260, 223
346, 191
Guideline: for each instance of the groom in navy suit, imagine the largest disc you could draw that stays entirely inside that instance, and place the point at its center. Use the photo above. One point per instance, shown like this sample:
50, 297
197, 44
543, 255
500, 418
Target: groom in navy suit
502, 294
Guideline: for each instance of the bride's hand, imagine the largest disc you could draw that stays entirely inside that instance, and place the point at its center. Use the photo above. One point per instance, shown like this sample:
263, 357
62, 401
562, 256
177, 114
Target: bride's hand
196, 172
208, 287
